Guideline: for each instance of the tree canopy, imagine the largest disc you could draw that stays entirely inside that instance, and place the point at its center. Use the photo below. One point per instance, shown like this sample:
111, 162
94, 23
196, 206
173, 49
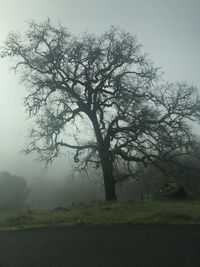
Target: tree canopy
100, 96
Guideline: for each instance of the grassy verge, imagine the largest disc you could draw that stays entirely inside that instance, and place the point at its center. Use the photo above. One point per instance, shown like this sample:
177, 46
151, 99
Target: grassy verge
164, 212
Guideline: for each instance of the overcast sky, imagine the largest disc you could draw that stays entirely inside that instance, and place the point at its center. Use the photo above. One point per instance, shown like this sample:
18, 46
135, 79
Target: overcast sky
168, 30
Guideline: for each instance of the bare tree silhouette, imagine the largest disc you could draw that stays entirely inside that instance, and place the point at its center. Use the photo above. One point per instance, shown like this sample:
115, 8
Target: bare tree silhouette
101, 97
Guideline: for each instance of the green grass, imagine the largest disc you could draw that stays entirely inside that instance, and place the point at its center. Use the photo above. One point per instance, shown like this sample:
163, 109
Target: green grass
151, 211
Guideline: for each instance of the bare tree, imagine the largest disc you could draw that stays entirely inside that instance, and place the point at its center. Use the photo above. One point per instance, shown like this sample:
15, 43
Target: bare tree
101, 97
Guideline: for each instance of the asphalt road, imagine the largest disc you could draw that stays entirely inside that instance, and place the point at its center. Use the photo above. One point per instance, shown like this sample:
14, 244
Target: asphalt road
103, 246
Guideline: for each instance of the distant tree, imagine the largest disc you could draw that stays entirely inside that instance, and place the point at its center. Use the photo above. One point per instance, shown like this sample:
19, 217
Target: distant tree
102, 97
186, 170
13, 191
50, 193
183, 169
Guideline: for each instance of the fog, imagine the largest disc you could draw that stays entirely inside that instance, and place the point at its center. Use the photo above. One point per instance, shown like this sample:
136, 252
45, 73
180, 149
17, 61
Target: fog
168, 31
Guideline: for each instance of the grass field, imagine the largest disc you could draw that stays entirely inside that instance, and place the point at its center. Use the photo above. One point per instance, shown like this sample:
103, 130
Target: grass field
133, 212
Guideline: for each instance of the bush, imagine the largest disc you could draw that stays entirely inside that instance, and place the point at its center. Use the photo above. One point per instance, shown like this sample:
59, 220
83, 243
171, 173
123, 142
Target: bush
172, 190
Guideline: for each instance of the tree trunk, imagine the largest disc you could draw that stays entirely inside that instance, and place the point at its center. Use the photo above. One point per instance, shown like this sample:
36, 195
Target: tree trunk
106, 161
109, 183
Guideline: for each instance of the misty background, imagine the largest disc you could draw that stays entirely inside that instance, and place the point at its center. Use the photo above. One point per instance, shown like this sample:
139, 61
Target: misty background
170, 35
